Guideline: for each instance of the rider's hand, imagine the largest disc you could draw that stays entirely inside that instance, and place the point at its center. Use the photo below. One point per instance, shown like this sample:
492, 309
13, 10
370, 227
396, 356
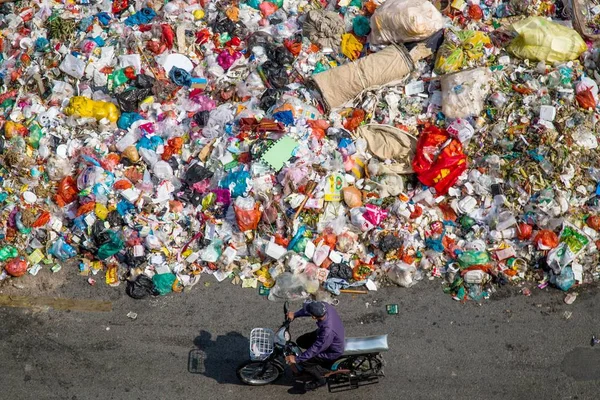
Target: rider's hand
290, 316
290, 359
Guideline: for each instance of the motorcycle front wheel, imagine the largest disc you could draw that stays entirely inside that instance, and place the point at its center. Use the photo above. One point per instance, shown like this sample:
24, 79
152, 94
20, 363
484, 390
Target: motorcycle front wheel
258, 373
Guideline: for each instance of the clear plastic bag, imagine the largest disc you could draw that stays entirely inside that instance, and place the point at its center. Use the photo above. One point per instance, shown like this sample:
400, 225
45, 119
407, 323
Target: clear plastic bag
464, 93
292, 287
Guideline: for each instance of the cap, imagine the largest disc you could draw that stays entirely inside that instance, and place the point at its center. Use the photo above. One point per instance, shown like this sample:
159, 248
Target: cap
316, 309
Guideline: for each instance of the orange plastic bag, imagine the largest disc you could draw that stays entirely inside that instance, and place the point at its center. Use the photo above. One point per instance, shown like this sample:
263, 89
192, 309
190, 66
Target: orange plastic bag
42, 220
318, 127
86, 208
122, 184
67, 191
110, 161
439, 160
247, 220
352, 196
546, 239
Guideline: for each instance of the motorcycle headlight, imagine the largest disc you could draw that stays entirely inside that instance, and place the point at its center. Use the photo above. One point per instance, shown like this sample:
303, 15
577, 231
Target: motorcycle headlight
282, 336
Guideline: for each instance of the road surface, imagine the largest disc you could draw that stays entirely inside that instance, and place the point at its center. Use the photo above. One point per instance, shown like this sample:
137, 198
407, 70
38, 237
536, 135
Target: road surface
186, 346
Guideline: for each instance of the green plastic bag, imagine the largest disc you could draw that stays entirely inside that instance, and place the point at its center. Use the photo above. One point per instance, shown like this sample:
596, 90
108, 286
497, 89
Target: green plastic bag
163, 283
278, 3
543, 40
471, 257
112, 247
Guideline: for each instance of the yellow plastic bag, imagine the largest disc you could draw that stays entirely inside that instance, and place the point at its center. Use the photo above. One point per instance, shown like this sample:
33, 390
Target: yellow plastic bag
543, 40
351, 47
461, 49
84, 107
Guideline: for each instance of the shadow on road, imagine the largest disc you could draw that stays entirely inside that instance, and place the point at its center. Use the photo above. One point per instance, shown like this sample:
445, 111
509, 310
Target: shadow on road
219, 358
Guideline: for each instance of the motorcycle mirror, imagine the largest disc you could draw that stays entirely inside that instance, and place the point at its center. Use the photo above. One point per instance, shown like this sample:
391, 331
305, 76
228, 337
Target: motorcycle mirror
285, 308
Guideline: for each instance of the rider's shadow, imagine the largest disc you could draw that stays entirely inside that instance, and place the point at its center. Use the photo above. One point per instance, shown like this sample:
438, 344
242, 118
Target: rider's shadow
215, 358
218, 359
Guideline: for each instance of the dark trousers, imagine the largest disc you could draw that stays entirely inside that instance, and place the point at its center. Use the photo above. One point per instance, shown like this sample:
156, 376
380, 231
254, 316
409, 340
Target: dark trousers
315, 367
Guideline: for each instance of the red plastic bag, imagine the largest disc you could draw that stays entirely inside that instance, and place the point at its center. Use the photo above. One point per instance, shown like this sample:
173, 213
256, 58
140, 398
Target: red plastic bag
247, 220
585, 99
67, 191
355, 119
546, 239
439, 160
16, 267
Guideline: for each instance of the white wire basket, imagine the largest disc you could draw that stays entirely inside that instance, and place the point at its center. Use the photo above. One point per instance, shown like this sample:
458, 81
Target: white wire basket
261, 343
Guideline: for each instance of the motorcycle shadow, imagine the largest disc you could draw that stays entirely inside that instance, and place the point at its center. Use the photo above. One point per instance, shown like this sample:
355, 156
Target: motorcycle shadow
218, 359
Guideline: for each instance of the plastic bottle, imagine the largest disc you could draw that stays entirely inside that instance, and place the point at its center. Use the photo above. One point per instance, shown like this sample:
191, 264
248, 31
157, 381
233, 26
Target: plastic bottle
506, 219
510, 233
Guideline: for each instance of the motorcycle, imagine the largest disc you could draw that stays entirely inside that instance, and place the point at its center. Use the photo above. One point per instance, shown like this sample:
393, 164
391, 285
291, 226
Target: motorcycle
361, 363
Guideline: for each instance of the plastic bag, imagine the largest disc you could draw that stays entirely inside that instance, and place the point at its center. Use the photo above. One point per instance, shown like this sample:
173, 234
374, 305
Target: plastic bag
247, 220
80, 106
403, 21
292, 287
141, 287
565, 280
546, 239
67, 191
543, 40
471, 257
402, 274
16, 267
464, 93
163, 283
352, 196
461, 49
439, 160
61, 250
110, 248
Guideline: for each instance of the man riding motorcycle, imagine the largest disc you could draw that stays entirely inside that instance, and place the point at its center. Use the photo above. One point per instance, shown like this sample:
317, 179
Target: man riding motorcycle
322, 346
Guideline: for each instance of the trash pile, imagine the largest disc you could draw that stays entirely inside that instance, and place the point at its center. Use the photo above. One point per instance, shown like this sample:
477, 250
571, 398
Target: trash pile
301, 147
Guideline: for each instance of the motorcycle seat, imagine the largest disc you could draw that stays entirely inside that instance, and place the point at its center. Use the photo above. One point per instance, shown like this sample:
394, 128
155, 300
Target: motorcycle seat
364, 345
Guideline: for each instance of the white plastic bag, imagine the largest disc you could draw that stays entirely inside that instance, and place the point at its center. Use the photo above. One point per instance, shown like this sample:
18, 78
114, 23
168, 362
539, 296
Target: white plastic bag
402, 274
403, 21
464, 92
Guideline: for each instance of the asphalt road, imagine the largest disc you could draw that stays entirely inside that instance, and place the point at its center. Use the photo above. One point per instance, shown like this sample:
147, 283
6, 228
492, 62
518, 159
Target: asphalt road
509, 347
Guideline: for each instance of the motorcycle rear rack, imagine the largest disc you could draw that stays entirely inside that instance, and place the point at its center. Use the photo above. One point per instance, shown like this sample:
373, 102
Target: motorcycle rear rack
342, 382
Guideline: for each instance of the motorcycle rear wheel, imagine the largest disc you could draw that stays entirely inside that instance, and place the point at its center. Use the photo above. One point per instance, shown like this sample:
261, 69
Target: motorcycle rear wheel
259, 373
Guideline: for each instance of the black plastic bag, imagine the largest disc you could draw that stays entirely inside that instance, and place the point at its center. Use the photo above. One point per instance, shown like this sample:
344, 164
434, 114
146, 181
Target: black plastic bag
279, 55
276, 74
129, 99
269, 98
144, 81
390, 243
201, 118
197, 173
141, 287
223, 24
114, 218
340, 270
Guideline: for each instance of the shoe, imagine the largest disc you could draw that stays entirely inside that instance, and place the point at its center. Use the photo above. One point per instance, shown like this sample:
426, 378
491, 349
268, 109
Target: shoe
314, 385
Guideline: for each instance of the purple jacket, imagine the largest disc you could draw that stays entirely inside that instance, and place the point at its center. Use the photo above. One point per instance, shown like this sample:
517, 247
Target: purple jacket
330, 336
